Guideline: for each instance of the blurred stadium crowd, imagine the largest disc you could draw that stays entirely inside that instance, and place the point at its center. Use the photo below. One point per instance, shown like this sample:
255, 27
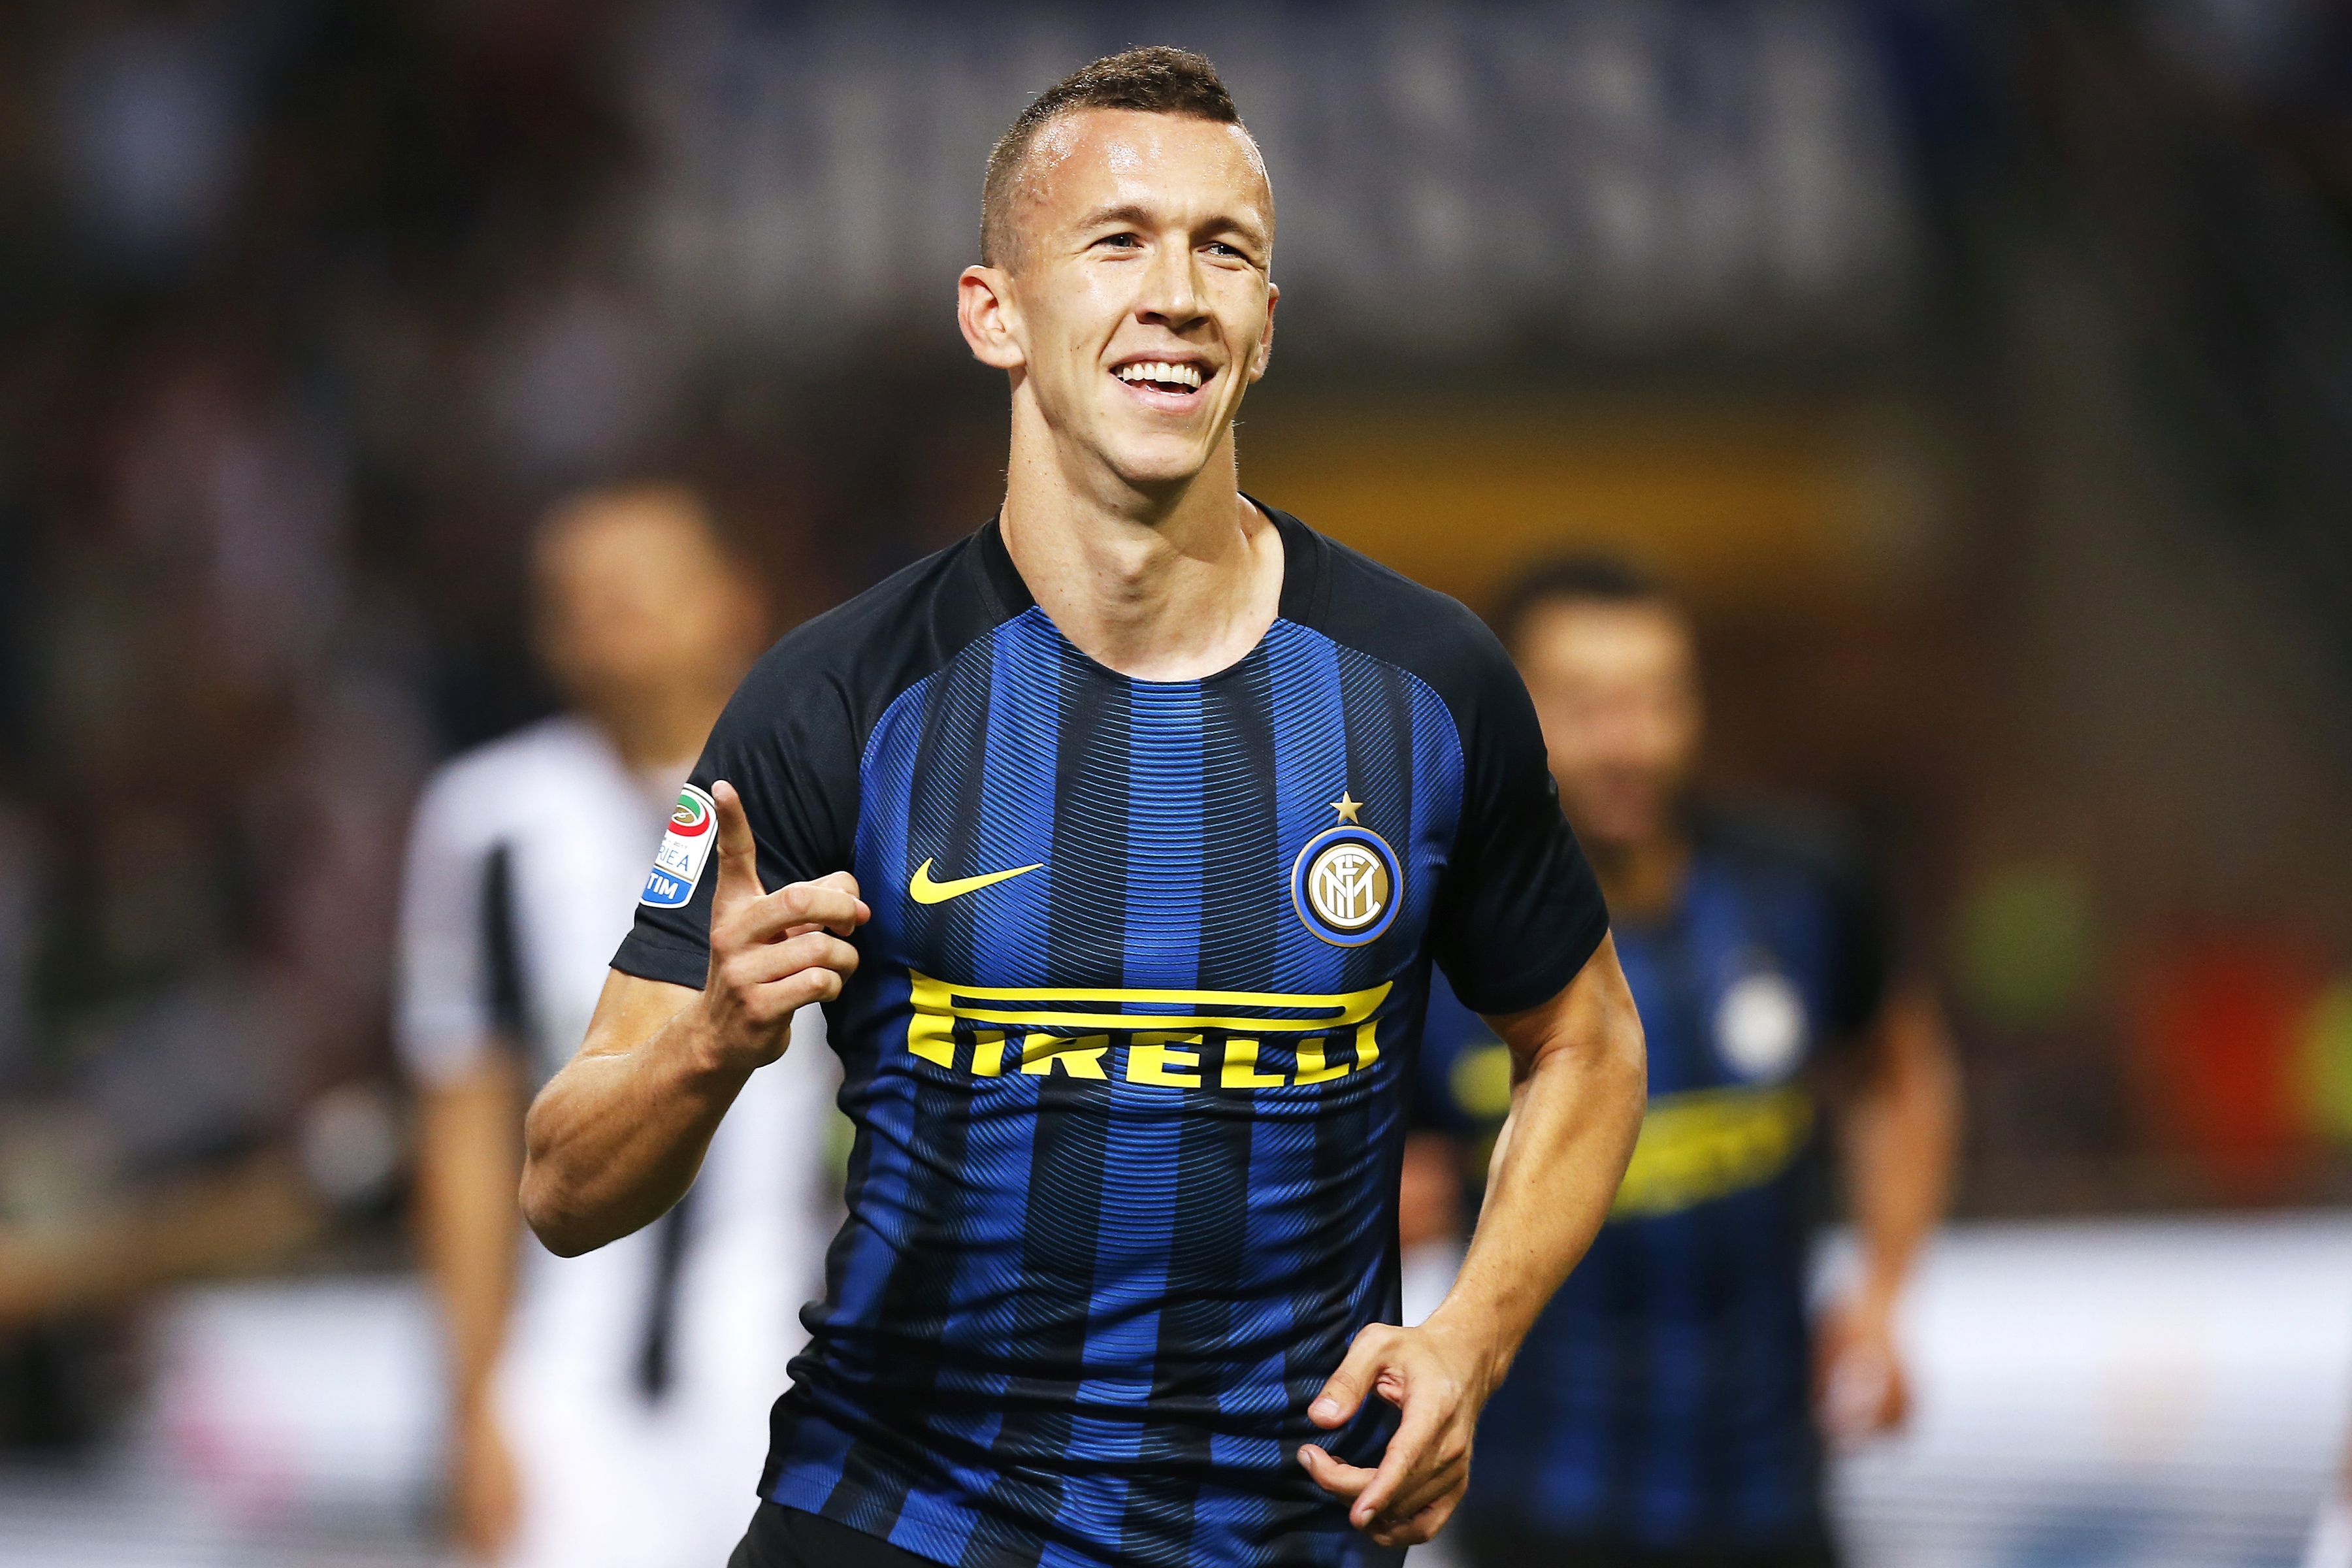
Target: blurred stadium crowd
1978, 372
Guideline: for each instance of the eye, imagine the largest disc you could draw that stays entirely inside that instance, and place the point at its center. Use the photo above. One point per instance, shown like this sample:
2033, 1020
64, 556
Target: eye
1121, 241
1219, 247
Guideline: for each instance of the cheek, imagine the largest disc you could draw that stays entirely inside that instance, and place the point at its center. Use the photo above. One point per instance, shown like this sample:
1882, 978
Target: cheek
1082, 308
1243, 319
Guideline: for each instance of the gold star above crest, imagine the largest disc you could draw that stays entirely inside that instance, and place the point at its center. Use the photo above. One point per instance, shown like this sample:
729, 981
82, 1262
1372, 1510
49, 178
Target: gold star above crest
1347, 805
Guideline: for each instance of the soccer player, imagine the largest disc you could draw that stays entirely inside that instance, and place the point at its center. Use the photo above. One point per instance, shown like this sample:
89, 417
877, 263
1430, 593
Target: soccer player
596, 1406
1664, 1409
1118, 840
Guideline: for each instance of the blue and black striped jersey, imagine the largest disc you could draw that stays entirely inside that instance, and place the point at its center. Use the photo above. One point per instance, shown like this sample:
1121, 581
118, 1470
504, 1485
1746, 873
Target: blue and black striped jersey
1127, 1046
1662, 1399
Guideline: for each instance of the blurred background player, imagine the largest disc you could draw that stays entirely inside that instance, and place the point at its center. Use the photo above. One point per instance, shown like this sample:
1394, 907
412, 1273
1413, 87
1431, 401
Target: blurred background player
603, 1406
1669, 1405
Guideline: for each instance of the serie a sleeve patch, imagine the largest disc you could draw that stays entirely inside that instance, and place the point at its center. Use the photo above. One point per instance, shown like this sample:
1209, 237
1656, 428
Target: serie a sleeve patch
685, 850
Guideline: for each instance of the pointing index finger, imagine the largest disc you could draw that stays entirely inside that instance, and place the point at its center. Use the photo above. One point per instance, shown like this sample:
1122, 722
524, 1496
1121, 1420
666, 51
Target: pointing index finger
738, 852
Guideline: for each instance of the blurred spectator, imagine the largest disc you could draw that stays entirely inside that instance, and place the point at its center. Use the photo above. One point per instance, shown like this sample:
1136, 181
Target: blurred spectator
1663, 1411
602, 1405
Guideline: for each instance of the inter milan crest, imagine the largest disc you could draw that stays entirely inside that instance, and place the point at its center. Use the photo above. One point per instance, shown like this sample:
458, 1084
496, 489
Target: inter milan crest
1346, 883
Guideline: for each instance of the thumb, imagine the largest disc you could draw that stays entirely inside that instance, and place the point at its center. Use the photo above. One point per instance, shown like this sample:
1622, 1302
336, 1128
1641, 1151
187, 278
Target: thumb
1346, 1390
739, 853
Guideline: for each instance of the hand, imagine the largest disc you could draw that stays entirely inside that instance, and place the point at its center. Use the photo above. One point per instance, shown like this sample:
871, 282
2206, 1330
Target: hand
1440, 1380
1858, 1378
771, 953
485, 1496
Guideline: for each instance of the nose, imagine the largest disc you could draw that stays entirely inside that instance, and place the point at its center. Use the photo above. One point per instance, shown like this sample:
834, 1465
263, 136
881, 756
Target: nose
1171, 290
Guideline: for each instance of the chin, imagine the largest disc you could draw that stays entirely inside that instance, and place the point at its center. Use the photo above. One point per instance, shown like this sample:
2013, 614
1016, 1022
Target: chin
1158, 465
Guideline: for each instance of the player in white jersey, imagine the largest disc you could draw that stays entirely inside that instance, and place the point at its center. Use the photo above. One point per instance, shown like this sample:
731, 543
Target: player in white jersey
603, 1406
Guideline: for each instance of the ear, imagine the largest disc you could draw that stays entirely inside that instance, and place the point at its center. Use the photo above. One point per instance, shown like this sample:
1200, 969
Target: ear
1265, 339
990, 319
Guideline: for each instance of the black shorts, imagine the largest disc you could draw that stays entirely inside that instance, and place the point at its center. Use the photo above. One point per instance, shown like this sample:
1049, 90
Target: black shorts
783, 1537
1485, 1545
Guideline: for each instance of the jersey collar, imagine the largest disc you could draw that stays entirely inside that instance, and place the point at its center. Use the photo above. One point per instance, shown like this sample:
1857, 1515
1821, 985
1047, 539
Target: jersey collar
1302, 567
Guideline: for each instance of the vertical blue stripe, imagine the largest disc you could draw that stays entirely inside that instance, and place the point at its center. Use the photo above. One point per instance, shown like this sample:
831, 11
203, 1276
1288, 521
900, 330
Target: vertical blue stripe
881, 1102
1309, 769
1138, 1228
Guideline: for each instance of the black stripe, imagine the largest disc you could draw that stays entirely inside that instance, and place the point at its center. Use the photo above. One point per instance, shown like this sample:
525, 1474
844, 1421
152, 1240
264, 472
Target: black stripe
1357, 1128
656, 1344
505, 999
942, 822
1240, 908
1086, 930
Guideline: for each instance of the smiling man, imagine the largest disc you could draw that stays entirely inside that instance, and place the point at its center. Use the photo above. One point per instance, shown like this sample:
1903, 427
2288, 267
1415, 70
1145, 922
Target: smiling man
1117, 841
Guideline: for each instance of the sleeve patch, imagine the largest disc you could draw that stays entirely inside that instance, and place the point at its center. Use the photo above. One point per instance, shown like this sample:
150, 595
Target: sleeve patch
685, 850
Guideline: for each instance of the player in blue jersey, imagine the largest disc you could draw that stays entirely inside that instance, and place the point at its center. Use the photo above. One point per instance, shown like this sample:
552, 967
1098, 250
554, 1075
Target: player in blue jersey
1665, 1408
1118, 841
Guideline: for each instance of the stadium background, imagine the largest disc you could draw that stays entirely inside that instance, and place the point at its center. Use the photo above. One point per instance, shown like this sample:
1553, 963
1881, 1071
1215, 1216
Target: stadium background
1980, 374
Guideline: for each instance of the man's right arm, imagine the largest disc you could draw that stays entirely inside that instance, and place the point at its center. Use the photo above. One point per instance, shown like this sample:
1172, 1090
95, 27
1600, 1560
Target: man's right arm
467, 1163
616, 1137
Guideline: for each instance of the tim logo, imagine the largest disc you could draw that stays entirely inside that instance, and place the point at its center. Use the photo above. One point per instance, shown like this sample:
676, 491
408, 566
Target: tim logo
683, 851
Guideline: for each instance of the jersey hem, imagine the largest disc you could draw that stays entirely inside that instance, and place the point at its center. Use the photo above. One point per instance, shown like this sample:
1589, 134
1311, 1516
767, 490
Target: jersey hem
674, 966
927, 1539
1542, 983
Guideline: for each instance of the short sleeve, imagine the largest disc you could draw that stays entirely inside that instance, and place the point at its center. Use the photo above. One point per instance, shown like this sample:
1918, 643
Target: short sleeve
1521, 910
446, 1011
787, 743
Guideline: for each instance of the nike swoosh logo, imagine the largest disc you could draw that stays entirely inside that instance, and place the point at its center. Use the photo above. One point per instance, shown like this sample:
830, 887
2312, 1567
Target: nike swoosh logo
923, 890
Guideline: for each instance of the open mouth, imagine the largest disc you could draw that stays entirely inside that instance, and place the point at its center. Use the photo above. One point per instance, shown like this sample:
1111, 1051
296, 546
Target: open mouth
1180, 380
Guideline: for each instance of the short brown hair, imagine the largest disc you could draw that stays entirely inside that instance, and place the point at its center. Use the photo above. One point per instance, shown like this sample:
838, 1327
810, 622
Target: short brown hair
1155, 80
1573, 580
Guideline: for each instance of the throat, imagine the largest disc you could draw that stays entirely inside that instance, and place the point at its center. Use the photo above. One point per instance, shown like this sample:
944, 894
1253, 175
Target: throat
1150, 601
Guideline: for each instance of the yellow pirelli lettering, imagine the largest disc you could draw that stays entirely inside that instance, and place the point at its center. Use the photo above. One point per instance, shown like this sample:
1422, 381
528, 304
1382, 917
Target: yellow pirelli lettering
1107, 1007
931, 1036
1312, 1067
1158, 1055
1079, 1057
988, 1053
1161, 1033
1240, 1068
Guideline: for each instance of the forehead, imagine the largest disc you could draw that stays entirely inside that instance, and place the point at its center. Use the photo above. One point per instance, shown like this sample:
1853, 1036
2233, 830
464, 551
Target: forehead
624, 539
1582, 638
1192, 168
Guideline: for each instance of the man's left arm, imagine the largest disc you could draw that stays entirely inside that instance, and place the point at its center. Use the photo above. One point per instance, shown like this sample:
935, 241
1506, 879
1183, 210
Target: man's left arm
1579, 1083
1899, 1119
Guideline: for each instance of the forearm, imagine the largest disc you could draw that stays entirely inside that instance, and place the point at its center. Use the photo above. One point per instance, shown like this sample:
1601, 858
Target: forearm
1558, 1162
468, 1163
616, 1137
1901, 1140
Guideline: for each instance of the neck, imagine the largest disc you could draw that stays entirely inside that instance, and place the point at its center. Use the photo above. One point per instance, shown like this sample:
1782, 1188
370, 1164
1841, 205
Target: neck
1643, 878
658, 732
1168, 583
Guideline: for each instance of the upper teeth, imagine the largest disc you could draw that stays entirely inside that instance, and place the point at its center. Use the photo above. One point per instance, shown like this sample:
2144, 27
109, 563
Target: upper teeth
1154, 370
